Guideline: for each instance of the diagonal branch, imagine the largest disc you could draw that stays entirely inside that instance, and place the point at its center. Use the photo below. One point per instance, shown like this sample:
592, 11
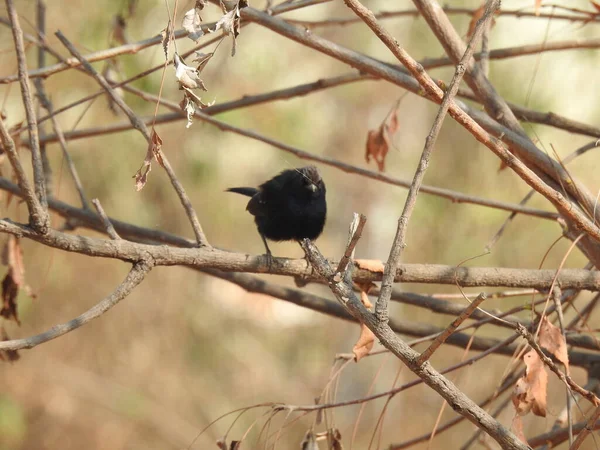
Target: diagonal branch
444, 387
381, 308
134, 277
141, 126
36, 160
37, 216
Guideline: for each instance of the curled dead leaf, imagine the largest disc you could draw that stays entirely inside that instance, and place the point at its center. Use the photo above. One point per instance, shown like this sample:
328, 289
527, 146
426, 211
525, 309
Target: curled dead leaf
153, 152
372, 265
379, 141
364, 344
309, 442
192, 21
12, 256
118, 29
230, 21
554, 341
335, 437
7, 355
531, 389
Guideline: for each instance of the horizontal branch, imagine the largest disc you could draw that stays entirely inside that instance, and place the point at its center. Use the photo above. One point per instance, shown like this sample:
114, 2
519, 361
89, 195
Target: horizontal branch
239, 262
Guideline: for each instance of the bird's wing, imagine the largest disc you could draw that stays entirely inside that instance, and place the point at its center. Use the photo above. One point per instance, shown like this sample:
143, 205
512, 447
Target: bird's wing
256, 205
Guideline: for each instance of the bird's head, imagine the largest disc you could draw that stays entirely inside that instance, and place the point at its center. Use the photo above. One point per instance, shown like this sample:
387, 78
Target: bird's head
312, 180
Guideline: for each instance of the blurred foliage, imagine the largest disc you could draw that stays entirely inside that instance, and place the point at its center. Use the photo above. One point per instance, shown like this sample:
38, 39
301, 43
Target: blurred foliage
185, 348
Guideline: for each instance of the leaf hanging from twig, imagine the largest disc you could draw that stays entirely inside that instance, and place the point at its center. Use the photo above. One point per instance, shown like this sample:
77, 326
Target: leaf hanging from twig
153, 152
554, 341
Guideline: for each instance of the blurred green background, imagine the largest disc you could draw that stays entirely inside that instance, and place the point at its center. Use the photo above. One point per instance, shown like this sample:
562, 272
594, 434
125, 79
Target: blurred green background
185, 348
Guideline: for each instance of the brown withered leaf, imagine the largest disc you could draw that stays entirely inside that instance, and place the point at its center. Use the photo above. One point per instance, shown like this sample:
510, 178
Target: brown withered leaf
372, 265
553, 340
153, 152
517, 427
7, 355
530, 390
309, 442
10, 290
379, 141
230, 22
192, 21
222, 443
335, 437
188, 77
12, 256
595, 5
477, 14
166, 39
364, 344
118, 29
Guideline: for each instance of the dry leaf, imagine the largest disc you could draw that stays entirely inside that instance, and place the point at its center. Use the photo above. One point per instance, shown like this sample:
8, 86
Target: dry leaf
191, 21
379, 141
364, 344
7, 355
530, 390
477, 14
118, 29
553, 340
141, 176
309, 442
335, 438
187, 76
12, 256
166, 39
372, 265
595, 5
364, 293
222, 444
517, 427
230, 22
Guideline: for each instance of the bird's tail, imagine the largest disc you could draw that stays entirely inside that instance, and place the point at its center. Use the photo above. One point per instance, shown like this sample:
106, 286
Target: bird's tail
247, 191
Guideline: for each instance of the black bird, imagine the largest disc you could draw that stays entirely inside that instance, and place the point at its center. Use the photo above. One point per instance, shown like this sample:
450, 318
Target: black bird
290, 206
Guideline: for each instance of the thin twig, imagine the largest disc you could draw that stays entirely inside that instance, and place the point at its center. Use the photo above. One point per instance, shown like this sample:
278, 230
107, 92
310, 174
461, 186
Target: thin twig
141, 126
451, 329
590, 425
45, 102
356, 228
36, 160
39, 86
37, 216
110, 229
381, 308
134, 277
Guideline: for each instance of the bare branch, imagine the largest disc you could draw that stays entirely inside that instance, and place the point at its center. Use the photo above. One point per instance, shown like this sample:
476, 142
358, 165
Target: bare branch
381, 308
141, 126
37, 216
134, 277
110, 229
446, 389
36, 159
451, 329
356, 228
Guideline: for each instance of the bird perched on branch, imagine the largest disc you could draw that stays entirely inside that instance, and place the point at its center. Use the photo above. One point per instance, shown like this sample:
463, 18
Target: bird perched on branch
290, 206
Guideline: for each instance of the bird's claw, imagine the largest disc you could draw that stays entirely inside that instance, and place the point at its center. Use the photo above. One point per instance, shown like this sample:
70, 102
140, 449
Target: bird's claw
269, 257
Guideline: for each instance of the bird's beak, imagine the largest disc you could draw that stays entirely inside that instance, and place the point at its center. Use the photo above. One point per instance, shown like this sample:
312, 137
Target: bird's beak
312, 187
